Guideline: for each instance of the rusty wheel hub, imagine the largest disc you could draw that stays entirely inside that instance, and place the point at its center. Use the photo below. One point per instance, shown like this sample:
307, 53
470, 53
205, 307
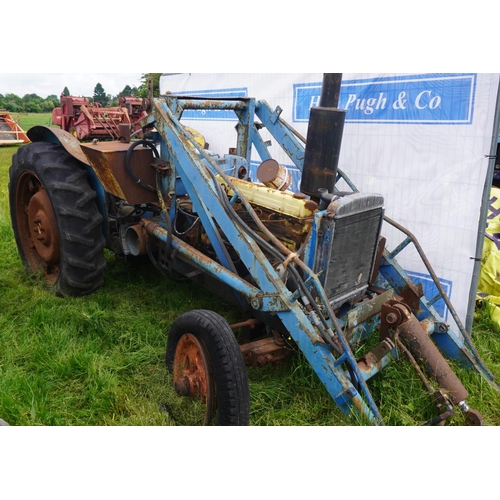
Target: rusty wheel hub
37, 226
43, 228
191, 372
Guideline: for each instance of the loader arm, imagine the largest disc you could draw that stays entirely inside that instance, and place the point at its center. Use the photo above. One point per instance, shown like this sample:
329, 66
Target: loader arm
304, 310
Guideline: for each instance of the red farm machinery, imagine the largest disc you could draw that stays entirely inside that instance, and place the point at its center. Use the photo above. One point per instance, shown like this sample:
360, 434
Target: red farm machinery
10, 131
86, 121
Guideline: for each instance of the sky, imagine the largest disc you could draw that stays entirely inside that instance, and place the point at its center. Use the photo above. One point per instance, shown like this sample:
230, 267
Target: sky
79, 84
45, 66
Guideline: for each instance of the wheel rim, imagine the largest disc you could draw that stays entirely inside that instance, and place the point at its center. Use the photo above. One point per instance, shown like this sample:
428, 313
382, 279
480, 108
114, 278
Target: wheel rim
37, 226
191, 372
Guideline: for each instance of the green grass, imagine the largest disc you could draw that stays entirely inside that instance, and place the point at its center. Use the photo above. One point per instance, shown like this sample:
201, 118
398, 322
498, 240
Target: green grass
27, 120
99, 360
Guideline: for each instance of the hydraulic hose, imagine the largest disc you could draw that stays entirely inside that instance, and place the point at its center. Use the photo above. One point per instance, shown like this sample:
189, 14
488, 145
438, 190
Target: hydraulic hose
166, 214
128, 166
298, 281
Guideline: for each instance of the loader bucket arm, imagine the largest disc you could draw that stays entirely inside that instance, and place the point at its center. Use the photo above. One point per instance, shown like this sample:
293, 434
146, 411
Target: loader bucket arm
313, 337
305, 311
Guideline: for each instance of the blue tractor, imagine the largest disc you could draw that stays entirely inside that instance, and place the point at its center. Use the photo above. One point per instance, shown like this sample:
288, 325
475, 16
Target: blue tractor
310, 269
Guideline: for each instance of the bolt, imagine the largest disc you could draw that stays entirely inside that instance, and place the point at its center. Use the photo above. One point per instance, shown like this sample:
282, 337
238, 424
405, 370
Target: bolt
391, 318
256, 303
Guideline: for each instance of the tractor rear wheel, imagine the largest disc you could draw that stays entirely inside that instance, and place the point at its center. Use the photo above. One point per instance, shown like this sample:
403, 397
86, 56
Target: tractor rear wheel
208, 369
56, 222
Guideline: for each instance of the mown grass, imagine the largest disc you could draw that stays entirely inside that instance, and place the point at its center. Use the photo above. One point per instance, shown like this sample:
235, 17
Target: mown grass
27, 120
99, 360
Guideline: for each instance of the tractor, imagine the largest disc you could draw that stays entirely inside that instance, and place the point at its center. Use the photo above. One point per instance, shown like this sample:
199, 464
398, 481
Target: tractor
310, 270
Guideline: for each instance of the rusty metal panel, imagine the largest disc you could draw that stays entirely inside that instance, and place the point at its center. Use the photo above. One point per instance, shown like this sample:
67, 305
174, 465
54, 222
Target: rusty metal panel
108, 161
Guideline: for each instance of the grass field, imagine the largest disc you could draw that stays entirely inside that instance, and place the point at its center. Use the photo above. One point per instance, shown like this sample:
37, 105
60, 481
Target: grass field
99, 360
27, 120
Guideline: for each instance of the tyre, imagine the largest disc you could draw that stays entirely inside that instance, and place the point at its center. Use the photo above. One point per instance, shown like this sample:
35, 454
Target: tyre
207, 366
56, 222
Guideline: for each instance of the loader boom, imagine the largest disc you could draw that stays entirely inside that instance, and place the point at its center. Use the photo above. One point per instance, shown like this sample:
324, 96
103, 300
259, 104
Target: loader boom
305, 310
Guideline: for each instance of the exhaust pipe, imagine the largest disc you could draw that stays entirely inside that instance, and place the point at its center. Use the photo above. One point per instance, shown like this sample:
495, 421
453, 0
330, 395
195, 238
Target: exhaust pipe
324, 138
134, 241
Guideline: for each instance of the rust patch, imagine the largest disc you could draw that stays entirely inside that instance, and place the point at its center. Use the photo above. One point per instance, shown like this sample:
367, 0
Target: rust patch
264, 351
411, 295
108, 161
191, 368
310, 205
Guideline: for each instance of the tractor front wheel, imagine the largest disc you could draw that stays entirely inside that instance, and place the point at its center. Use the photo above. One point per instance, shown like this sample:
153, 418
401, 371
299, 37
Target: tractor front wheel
208, 370
56, 222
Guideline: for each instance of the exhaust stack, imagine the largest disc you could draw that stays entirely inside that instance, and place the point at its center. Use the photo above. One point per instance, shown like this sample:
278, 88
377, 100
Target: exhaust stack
324, 138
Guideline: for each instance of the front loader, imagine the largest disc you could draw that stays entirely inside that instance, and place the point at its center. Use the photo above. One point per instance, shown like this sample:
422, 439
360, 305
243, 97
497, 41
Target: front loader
310, 270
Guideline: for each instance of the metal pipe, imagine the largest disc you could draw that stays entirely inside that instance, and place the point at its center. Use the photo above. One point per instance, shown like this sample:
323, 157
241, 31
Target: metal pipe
204, 104
423, 348
330, 90
324, 138
249, 322
208, 265
435, 279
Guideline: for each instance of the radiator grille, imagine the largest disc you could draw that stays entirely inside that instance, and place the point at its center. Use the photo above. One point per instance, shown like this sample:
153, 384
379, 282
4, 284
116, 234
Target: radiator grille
348, 246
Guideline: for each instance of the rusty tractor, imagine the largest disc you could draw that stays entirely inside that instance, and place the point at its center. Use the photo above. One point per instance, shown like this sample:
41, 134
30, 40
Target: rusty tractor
309, 270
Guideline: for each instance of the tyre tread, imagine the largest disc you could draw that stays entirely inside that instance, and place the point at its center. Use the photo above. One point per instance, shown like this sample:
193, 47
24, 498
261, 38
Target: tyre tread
78, 219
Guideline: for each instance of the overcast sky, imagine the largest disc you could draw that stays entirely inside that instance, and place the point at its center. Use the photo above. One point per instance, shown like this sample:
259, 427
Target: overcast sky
460, 40
79, 84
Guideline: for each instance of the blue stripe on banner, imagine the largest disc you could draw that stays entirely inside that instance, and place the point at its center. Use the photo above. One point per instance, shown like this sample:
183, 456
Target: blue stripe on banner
212, 114
438, 99
430, 290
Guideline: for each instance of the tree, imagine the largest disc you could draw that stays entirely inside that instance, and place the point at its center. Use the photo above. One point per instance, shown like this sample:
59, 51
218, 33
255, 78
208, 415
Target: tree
32, 107
66, 91
54, 100
112, 101
47, 106
13, 103
29, 103
143, 89
127, 91
100, 95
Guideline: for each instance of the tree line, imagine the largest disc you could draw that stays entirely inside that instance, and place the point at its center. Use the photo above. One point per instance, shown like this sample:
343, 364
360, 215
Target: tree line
32, 103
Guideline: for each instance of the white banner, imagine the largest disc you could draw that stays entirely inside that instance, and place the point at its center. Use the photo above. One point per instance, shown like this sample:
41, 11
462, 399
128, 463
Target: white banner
420, 140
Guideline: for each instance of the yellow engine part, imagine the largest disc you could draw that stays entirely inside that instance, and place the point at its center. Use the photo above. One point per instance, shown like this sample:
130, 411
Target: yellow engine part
291, 204
198, 138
